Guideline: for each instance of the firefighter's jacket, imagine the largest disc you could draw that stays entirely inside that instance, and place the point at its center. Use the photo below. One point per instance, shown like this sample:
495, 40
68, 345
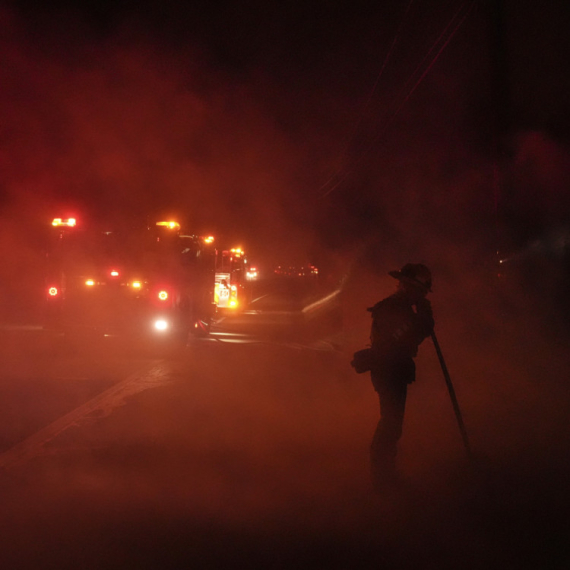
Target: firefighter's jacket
399, 327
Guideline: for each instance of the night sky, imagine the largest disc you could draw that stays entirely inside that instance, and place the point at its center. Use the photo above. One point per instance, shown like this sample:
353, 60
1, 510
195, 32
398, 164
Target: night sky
299, 127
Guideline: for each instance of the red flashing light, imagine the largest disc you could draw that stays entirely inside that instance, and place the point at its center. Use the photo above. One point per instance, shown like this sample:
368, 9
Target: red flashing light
163, 295
53, 291
114, 273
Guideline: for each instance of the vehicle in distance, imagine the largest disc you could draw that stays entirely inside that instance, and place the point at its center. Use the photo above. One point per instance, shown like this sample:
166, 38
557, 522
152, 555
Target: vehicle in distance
150, 279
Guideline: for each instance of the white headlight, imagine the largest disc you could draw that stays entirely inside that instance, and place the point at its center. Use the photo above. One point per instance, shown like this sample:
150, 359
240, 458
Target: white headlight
160, 325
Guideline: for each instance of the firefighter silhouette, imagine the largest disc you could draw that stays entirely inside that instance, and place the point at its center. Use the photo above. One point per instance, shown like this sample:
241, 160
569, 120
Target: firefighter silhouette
400, 323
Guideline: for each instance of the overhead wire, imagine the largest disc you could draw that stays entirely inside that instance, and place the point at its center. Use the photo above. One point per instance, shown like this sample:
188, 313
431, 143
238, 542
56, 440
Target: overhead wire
364, 154
434, 45
342, 174
450, 37
373, 90
348, 170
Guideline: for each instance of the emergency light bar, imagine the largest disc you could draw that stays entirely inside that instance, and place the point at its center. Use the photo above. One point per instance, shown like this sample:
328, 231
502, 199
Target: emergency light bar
69, 222
170, 225
209, 239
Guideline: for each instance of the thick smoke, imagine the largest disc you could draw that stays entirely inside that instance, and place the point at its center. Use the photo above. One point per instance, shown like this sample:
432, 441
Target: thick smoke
124, 125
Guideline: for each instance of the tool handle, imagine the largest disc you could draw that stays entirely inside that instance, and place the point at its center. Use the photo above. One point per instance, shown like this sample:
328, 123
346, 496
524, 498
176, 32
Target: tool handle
452, 395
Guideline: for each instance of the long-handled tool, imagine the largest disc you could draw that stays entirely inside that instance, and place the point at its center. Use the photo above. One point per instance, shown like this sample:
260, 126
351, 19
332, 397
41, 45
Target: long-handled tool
453, 397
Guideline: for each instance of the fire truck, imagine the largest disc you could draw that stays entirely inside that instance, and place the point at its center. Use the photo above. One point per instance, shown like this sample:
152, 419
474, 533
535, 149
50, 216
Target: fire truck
231, 291
149, 279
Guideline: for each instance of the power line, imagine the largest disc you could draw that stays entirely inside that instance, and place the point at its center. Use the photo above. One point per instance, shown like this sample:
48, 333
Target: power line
342, 174
434, 60
371, 95
435, 44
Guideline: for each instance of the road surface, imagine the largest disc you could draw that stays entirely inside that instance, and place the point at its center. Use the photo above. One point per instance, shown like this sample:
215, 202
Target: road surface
250, 449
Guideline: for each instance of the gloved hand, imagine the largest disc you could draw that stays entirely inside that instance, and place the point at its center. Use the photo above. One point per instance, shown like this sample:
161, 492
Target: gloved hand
424, 312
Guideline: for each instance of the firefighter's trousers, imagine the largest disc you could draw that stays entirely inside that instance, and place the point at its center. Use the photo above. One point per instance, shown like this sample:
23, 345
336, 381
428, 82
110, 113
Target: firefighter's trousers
392, 388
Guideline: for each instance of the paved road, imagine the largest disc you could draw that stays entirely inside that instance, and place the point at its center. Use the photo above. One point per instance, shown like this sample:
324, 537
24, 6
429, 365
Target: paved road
42, 377
249, 449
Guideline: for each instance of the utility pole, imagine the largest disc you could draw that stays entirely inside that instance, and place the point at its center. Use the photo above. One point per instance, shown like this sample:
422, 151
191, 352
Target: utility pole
501, 118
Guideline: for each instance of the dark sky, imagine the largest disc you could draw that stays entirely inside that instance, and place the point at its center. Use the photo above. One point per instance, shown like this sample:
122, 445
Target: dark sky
297, 125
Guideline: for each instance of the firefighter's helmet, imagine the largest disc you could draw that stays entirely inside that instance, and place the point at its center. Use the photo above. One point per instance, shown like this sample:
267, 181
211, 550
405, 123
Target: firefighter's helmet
416, 274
